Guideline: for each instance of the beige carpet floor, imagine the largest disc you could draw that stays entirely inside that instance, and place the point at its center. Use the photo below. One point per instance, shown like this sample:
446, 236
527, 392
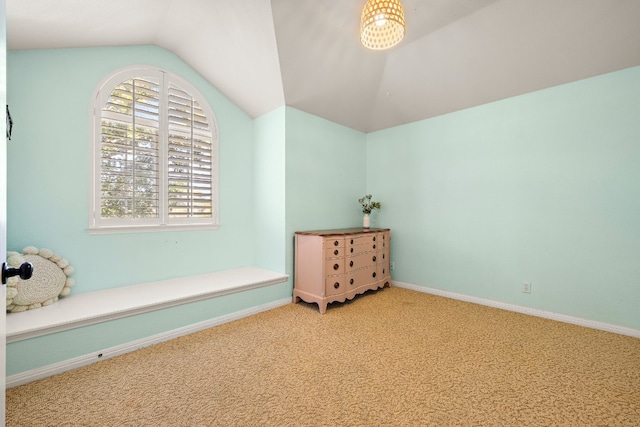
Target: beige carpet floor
394, 357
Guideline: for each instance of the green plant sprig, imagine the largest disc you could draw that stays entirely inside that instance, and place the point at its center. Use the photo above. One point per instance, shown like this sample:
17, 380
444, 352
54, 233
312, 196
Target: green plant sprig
367, 205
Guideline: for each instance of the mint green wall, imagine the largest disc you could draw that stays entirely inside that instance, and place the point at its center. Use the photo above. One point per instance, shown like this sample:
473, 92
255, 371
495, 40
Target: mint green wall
269, 190
325, 175
308, 175
49, 92
541, 188
320, 194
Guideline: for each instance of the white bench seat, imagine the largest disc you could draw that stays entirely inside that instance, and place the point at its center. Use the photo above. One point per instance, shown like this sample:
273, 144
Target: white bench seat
88, 308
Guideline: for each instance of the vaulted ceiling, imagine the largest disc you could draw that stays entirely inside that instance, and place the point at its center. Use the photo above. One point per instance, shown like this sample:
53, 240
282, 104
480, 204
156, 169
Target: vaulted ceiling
306, 54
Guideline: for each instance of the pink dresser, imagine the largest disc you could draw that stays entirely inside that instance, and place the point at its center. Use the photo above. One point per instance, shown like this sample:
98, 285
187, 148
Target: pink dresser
336, 265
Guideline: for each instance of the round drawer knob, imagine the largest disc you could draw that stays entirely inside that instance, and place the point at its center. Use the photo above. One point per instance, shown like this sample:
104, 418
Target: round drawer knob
351, 250
374, 246
335, 243
374, 274
351, 264
336, 266
374, 238
352, 241
336, 285
351, 282
373, 259
336, 252
384, 271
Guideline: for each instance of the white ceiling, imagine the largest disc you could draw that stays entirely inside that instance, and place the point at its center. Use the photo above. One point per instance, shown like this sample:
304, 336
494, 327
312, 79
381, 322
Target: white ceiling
306, 53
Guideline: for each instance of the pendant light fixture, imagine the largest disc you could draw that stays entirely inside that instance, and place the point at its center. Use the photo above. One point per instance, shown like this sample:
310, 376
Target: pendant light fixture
382, 25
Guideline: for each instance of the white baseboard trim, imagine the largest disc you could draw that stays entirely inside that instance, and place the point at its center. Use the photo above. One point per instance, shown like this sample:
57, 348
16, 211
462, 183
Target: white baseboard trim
87, 359
622, 330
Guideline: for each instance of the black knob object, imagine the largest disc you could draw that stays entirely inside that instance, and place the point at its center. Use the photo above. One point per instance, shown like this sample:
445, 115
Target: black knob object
25, 271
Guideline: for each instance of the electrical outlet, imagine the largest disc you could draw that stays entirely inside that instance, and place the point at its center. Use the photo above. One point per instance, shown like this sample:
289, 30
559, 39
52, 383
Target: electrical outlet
526, 288
392, 265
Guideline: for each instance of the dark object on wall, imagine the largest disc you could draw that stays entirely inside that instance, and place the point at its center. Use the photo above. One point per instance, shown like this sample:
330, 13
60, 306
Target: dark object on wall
9, 124
24, 271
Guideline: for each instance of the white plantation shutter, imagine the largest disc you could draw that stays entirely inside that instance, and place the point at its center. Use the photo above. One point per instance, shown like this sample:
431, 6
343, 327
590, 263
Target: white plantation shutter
129, 152
155, 156
189, 157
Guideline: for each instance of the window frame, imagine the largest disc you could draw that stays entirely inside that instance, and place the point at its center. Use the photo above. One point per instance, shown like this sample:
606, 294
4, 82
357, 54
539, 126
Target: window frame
99, 225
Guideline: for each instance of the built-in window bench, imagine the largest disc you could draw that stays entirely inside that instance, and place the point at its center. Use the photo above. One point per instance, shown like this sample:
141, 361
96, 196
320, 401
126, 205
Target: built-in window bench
88, 308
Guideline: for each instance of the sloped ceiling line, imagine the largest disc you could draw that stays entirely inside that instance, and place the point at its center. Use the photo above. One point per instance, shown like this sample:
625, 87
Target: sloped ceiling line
264, 54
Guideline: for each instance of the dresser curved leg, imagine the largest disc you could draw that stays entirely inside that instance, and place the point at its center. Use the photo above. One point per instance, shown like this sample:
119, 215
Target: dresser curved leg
322, 306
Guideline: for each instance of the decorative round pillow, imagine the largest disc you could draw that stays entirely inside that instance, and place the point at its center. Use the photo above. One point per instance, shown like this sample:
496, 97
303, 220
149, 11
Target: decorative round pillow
49, 281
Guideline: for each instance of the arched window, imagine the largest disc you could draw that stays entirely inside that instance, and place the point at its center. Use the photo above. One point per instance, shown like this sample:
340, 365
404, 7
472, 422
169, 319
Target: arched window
155, 154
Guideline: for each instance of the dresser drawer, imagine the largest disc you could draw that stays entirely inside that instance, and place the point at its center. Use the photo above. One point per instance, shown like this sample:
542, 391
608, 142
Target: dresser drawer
361, 244
333, 243
382, 270
361, 277
382, 257
335, 285
361, 239
355, 262
336, 252
334, 266
382, 241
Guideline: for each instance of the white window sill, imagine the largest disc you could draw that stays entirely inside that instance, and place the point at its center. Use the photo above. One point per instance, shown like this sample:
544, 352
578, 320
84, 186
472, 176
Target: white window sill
151, 228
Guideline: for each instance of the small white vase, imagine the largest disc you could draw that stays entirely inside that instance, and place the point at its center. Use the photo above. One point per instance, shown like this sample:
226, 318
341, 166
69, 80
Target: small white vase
366, 221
